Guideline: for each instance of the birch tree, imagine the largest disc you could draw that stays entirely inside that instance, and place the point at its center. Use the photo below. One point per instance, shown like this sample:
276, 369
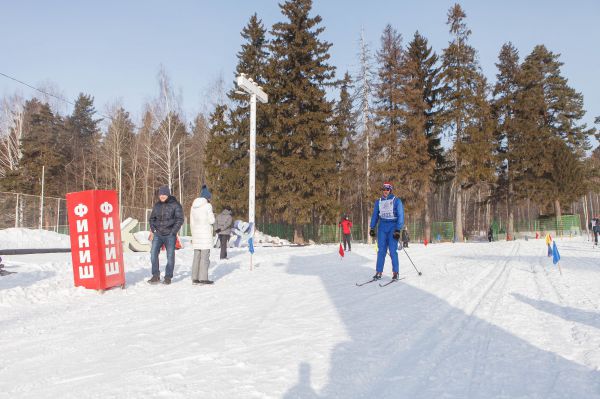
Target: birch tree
11, 132
169, 133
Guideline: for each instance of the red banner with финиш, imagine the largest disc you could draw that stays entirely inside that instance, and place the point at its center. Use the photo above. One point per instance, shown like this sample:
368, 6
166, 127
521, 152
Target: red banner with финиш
95, 231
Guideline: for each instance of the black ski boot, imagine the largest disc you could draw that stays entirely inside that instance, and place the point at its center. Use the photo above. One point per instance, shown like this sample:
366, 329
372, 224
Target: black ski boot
377, 276
395, 276
206, 282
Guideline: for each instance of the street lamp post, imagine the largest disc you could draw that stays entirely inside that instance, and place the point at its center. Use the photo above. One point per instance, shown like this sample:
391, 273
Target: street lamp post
256, 92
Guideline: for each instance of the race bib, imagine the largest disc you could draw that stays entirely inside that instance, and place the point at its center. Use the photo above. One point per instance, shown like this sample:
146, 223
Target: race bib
386, 209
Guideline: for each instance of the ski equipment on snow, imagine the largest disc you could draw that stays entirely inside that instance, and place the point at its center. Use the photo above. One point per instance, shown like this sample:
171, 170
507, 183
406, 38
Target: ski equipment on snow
404, 249
391, 281
366, 282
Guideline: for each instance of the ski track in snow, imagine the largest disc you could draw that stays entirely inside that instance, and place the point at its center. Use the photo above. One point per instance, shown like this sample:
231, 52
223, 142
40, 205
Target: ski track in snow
485, 320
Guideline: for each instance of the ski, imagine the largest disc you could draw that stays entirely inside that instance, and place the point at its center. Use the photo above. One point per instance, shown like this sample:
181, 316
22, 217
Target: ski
366, 282
390, 282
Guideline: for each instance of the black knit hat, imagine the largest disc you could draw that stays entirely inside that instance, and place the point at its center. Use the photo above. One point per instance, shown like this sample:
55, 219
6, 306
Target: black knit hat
164, 190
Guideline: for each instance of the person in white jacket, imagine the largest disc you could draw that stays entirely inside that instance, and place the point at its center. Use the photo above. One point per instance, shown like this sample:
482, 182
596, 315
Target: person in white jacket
202, 219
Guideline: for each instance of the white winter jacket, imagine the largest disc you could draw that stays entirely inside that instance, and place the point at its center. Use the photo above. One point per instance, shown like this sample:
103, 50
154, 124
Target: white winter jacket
202, 219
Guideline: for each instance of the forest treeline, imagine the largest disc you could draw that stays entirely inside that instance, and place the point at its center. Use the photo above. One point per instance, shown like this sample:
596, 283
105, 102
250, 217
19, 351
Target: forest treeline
455, 145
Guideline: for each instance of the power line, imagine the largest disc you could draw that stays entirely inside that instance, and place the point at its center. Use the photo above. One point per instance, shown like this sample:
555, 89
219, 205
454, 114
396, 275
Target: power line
48, 94
35, 88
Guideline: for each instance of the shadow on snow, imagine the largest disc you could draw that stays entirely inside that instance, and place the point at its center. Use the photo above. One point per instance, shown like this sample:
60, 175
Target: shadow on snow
407, 343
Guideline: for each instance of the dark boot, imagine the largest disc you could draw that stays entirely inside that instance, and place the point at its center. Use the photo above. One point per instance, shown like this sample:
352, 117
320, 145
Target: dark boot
195, 282
377, 276
167, 280
154, 280
206, 282
395, 276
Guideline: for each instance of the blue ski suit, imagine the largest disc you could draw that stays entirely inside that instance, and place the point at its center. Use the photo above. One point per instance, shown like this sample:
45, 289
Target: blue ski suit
389, 212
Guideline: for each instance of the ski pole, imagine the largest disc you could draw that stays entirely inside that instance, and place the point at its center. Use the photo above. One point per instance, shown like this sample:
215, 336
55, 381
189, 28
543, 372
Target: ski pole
404, 249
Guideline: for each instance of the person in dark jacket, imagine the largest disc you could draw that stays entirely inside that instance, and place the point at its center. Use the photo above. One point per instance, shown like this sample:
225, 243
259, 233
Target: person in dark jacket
405, 237
165, 221
490, 234
596, 230
223, 229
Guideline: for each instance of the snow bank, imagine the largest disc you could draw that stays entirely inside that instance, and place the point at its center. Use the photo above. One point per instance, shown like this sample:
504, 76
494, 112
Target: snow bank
17, 238
262, 238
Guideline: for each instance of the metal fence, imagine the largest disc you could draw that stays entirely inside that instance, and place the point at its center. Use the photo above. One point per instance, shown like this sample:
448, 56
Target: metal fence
29, 211
566, 226
441, 231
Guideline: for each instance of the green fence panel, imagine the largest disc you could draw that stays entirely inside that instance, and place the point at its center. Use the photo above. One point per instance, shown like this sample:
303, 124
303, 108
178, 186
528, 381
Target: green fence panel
442, 231
415, 230
567, 225
331, 233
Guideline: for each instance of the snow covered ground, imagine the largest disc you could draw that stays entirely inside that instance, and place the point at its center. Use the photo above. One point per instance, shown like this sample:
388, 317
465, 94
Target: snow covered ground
483, 321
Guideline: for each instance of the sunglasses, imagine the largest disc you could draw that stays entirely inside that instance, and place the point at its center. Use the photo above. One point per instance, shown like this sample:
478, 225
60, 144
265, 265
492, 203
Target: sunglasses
386, 189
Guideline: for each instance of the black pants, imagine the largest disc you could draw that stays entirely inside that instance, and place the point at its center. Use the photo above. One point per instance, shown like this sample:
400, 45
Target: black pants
595, 237
347, 238
224, 238
405, 244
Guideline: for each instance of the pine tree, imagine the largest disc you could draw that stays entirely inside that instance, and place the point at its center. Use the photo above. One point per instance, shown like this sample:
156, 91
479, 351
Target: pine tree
507, 130
388, 109
252, 61
422, 159
547, 109
42, 146
463, 100
344, 123
219, 175
84, 142
567, 178
477, 149
198, 145
302, 167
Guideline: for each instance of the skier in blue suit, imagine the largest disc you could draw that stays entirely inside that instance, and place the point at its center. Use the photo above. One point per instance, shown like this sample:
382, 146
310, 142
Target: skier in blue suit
389, 212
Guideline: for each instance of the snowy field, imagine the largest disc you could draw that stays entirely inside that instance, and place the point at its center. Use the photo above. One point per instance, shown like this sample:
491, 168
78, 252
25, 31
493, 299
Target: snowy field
483, 321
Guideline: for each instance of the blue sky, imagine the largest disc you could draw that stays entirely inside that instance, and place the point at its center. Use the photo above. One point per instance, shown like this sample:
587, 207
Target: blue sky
113, 49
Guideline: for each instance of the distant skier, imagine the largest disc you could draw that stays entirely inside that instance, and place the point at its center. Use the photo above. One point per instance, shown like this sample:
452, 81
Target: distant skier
596, 230
405, 237
223, 229
490, 234
389, 213
346, 226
